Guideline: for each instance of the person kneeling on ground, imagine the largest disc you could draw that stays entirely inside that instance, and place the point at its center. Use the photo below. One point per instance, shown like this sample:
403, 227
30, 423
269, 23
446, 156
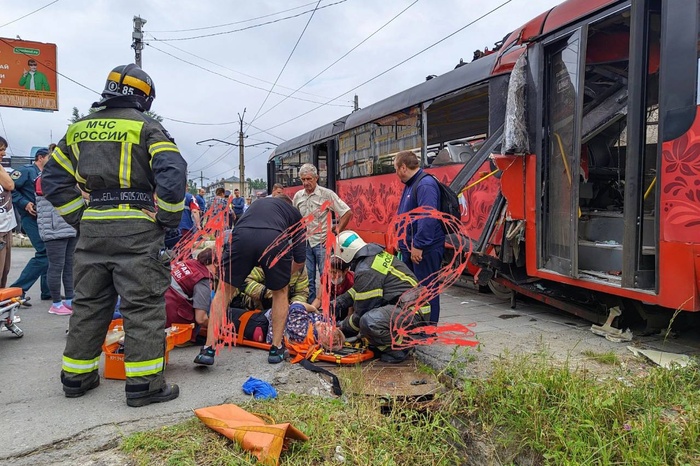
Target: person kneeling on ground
380, 282
256, 295
189, 296
265, 221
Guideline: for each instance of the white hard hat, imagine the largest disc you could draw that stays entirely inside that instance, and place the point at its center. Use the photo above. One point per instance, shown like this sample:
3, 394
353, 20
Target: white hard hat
347, 244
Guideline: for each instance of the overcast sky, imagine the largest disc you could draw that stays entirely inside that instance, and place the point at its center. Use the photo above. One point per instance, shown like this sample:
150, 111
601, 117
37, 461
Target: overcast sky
211, 80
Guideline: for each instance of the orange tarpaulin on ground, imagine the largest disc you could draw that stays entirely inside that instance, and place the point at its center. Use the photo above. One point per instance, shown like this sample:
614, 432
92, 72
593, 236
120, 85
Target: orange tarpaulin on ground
265, 441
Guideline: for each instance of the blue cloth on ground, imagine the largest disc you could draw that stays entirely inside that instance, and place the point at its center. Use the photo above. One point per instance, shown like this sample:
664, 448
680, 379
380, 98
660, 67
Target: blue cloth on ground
259, 389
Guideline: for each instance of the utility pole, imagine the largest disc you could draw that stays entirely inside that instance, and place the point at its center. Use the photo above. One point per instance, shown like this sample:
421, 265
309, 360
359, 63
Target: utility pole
137, 37
201, 179
356, 104
241, 152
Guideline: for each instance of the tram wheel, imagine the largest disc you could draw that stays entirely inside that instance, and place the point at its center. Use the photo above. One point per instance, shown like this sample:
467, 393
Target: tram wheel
500, 291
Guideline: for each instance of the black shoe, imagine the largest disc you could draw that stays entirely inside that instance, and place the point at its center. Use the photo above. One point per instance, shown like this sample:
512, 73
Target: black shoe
26, 302
76, 392
277, 355
46, 298
205, 356
167, 393
394, 356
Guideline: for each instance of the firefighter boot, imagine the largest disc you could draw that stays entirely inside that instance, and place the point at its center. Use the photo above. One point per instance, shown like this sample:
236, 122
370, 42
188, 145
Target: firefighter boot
75, 389
167, 393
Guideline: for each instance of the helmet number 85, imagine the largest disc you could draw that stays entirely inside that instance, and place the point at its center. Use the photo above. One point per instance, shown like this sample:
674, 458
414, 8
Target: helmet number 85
127, 90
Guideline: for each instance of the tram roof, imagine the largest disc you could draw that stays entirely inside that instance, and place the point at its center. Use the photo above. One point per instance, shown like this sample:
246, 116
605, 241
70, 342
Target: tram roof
466, 75
318, 134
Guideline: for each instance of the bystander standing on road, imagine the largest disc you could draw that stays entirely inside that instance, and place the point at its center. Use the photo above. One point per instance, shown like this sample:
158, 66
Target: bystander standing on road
424, 245
190, 221
202, 203
309, 200
220, 204
238, 204
229, 204
60, 240
7, 218
24, 200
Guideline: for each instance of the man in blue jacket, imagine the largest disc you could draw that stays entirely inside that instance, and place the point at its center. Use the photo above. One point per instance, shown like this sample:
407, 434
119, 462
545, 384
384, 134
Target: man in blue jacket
24, 200
238, 204
201, 202
424, 246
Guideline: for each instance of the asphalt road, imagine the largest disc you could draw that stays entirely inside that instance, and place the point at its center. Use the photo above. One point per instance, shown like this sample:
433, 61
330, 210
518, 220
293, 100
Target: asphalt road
41, 426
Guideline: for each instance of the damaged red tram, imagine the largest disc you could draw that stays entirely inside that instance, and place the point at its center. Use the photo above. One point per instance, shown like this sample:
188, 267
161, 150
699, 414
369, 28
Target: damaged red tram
574, 145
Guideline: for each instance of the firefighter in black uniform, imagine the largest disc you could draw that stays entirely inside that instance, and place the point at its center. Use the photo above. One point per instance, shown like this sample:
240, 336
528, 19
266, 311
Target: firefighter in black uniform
136, 179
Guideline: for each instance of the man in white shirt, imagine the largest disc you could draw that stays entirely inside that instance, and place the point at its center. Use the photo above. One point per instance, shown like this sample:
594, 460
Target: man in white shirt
309, 200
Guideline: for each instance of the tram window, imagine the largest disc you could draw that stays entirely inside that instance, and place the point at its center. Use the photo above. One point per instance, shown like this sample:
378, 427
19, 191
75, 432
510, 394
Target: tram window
355, 152
287, 167
457, 126
369, 149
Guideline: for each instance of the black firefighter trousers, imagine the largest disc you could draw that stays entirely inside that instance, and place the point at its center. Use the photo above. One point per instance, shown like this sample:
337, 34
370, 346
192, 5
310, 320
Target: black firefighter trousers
134, 268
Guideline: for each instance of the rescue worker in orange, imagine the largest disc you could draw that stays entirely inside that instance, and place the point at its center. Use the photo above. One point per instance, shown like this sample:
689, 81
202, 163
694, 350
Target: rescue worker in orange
122, 158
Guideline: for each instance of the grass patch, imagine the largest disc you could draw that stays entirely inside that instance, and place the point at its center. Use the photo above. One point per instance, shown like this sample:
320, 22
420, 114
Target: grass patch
364, 434
566, 416
609, 358
527, 408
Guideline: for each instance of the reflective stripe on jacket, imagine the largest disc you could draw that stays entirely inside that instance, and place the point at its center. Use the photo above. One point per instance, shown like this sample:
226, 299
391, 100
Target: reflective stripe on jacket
380, 279
254, 287
111, 149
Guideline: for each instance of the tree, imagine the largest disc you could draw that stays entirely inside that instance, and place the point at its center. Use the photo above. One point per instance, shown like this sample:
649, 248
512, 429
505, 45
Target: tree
257, 183
76, 115
192, 187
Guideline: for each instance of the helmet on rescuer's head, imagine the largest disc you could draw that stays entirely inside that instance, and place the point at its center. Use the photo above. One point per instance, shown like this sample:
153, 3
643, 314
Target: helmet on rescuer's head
128, 86
347, 244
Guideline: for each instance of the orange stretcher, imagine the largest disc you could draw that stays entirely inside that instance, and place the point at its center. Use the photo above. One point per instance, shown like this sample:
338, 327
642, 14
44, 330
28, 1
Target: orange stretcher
308, 349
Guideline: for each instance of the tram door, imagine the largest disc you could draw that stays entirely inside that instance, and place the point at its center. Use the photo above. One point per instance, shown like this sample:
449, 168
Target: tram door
324, 160
560, 165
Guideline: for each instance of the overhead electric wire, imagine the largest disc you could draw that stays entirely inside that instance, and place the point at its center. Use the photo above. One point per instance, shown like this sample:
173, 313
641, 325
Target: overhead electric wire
254, 25
215, 161
393, 67
235, 71
200, 124
236, 168
339, 59
286, 62
263, 131
28, 14
236, 80
238, 22
232, 170
200, 155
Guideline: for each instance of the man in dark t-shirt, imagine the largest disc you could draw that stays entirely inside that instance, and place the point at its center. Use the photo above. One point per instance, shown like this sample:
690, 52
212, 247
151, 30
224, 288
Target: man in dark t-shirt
254, 233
